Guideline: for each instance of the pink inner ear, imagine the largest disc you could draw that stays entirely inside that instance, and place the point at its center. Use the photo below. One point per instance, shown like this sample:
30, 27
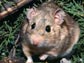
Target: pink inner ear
31, 13
59, 18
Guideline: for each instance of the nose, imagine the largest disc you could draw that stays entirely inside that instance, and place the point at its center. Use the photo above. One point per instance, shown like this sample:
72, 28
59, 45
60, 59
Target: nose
36, 39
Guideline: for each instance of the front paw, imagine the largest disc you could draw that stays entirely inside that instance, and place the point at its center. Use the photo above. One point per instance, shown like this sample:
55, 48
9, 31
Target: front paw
43, 57
64, 60
29, 61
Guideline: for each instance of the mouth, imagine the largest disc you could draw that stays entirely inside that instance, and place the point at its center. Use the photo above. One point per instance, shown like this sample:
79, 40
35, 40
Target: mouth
43, 44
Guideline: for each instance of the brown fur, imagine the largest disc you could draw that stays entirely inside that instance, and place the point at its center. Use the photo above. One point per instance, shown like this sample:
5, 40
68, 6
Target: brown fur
60, 40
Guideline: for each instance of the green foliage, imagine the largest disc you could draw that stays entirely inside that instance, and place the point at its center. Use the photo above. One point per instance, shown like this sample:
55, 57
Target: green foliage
8, 34
9, 28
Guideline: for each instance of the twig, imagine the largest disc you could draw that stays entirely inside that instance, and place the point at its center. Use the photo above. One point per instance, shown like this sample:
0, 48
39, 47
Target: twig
13, 50
14, 8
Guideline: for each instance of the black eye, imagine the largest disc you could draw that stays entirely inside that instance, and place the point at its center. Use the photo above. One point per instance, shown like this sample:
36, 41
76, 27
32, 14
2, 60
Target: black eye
33, 25
48, 29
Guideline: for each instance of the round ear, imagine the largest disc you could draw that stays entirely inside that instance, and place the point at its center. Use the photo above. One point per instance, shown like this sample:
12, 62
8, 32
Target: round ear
31, 13
59, 16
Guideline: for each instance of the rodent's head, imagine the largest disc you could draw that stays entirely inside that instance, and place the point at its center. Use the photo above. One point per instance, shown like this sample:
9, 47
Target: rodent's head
43, 26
